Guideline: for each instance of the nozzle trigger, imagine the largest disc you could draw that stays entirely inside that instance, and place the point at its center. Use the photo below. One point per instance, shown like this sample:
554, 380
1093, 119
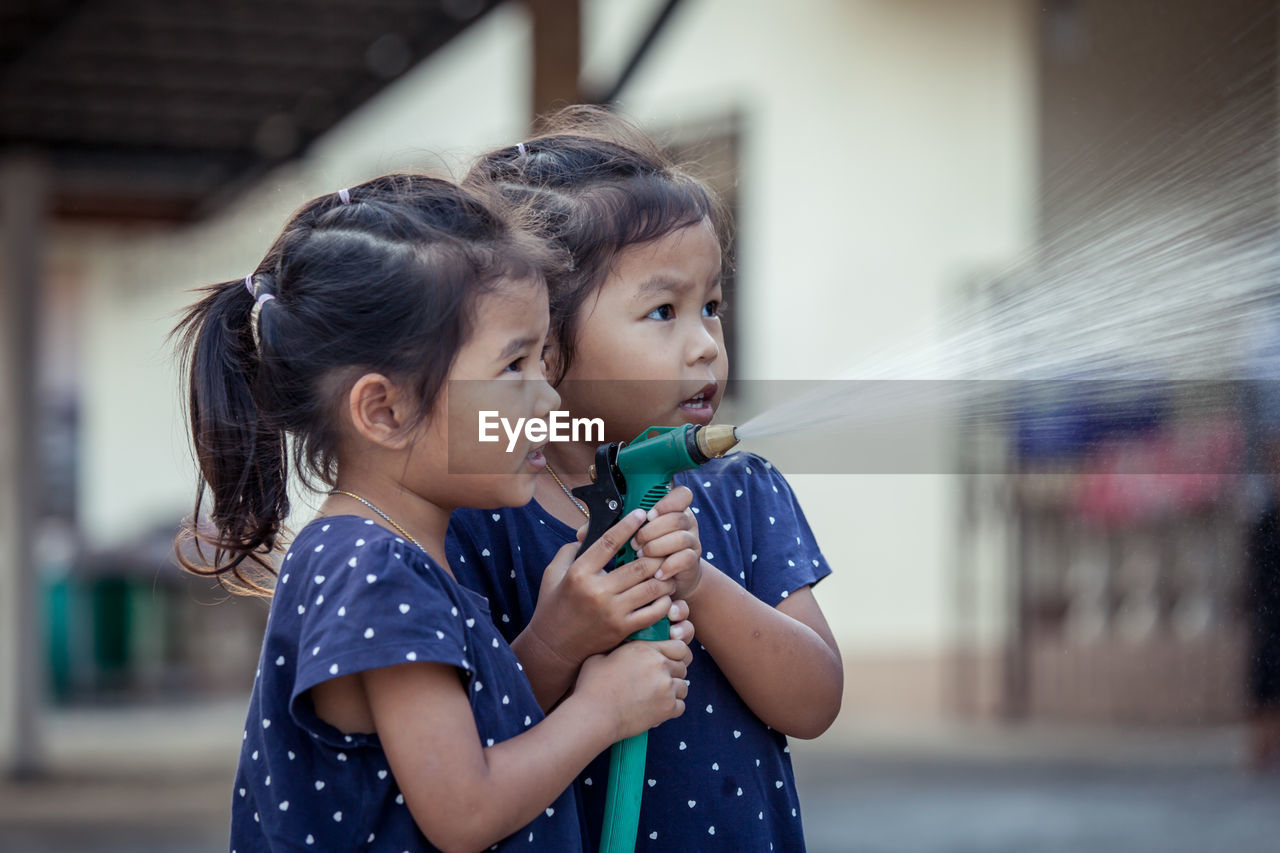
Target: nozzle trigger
603, 498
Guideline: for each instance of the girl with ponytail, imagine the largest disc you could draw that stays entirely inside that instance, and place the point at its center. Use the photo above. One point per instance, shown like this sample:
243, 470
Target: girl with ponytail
387, 711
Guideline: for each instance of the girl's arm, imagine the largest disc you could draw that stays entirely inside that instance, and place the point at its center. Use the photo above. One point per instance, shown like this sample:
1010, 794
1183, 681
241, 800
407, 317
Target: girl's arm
783, 661
466, 797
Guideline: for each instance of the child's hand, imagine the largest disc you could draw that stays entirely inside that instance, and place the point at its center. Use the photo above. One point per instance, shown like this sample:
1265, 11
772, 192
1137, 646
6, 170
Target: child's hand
583, 610
681, 627
642, 682
671, 540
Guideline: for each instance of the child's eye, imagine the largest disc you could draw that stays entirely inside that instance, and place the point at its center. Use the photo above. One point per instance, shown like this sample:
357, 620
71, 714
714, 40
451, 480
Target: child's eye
711, 309
515, 366
663, 312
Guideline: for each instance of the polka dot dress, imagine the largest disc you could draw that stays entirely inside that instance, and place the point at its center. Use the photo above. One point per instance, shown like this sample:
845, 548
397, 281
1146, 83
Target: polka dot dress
717, 778
352, 596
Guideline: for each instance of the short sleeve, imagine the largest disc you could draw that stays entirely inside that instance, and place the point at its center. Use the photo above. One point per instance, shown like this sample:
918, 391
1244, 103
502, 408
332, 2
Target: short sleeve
784, 553
367, 605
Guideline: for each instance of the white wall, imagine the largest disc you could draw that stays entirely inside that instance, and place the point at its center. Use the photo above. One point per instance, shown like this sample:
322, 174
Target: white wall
888, 154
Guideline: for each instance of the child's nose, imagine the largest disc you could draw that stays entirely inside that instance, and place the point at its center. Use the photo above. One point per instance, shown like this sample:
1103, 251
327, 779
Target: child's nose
548, 398
702, 345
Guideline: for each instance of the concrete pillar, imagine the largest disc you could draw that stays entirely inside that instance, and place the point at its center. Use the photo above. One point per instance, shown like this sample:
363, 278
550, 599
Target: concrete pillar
24, 198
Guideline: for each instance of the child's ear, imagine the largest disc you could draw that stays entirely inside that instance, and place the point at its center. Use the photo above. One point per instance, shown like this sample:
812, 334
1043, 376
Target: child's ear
380, 410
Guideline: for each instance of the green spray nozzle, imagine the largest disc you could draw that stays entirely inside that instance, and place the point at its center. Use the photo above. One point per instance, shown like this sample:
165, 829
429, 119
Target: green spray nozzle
637, 474
625, 477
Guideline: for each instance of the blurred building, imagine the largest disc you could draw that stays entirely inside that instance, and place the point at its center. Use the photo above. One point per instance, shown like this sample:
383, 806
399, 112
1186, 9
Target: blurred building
881, 158
1123, 593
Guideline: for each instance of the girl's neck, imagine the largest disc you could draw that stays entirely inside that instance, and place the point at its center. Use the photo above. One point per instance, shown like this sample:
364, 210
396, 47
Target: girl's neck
571, 461
418, 518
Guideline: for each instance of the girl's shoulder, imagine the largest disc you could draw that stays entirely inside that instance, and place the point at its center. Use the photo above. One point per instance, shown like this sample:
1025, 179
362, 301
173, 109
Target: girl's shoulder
499, 518
742, 463
340, 551
354, 596
735, 478
752, 527
329, 534
507, 526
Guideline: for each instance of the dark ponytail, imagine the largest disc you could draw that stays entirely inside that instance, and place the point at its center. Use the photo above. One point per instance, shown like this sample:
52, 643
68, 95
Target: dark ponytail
381, 278
241, 454
597, 184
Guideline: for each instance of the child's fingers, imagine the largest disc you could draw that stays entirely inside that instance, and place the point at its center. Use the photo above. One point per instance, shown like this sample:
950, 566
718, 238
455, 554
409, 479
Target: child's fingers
643, 617
674, 651
676, 540
676, 500
679, 611
631, 574
682, 631
665, 525
560, 562
645, 594
601, 552
682, 562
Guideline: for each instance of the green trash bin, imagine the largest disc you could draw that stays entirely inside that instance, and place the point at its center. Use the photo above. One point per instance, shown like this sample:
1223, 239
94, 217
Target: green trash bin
112, 632
60, 624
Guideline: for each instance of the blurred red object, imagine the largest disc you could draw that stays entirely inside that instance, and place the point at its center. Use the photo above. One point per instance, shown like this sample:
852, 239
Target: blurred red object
1179, 468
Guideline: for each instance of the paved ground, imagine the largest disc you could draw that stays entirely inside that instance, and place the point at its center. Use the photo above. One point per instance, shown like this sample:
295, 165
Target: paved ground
130, 782
1037, 792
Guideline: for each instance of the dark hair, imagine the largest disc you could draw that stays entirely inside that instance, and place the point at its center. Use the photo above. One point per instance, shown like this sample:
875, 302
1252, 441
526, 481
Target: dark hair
381, 278
598, 184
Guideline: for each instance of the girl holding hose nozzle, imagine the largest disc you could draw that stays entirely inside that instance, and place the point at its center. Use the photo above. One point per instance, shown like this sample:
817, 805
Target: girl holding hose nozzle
636, 340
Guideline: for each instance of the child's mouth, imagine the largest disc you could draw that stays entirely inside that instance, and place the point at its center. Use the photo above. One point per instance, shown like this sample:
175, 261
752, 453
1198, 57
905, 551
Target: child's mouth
535, 459
698, 408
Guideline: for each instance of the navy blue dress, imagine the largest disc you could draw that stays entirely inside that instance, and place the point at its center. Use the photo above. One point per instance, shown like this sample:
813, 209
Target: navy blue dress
717, 778
352, 596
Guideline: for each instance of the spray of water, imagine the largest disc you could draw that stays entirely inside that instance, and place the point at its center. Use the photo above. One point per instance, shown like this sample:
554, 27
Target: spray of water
1167, 276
